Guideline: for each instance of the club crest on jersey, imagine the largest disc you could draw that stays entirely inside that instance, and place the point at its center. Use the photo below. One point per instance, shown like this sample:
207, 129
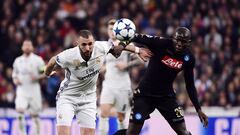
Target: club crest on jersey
172, 63
98, 60
76, 63
186, 57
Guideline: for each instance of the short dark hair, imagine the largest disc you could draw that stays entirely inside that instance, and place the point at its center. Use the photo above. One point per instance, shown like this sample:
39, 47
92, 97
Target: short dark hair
85, 33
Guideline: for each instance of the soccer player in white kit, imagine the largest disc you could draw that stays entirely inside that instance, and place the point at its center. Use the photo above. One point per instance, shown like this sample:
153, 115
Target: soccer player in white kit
77, 92
27, 71
116, 90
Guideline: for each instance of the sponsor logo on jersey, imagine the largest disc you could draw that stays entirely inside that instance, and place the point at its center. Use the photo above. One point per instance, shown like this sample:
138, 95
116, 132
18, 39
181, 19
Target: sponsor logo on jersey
98, 60
172, 63
89, 75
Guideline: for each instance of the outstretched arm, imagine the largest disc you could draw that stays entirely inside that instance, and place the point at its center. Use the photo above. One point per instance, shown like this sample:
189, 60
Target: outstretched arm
154, 43
116, 50
143, 53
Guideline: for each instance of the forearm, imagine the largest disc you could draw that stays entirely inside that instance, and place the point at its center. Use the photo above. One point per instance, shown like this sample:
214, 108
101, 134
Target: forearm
191, 89
192, 92
132, 48
50, 66
117, 50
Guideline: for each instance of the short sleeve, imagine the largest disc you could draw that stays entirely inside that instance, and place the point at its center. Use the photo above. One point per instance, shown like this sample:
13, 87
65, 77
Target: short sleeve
61, 59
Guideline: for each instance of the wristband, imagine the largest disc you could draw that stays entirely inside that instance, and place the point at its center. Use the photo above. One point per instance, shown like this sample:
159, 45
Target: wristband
137, 50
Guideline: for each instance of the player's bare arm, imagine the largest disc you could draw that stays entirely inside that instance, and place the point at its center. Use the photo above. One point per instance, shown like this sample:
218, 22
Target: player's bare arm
117, 50
16, 81
51, 66
143, 53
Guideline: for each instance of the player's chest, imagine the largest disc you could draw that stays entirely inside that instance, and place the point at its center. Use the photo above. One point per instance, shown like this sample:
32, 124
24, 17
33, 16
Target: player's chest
27, 65
86, 69
172, 62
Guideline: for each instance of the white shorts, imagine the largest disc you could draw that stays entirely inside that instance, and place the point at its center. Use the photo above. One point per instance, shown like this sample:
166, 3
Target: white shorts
118, 98
31, 102
84, 108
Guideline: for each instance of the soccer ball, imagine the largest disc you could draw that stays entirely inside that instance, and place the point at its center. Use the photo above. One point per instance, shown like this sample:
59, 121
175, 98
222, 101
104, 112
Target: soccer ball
124, 29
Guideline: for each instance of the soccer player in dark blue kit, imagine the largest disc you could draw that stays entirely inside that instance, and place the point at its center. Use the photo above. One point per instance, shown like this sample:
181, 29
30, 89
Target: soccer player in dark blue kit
155, 91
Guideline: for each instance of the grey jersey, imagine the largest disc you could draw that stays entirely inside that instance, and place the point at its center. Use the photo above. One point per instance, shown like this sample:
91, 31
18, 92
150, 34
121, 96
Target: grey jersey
81, 77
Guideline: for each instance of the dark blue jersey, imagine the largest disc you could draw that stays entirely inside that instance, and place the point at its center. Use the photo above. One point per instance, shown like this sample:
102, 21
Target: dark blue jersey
164, 66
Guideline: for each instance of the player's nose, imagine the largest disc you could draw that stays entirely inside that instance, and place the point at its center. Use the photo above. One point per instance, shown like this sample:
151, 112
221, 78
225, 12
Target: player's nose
87, 48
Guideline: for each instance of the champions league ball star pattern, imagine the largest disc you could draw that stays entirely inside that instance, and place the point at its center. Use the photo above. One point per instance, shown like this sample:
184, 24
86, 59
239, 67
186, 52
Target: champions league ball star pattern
124, 29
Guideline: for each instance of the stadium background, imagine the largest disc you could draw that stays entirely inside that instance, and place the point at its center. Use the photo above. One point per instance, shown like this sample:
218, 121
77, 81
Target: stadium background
53, 25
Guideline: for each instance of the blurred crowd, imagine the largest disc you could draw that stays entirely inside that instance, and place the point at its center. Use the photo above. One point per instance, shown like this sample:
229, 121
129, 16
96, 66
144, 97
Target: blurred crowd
53, 25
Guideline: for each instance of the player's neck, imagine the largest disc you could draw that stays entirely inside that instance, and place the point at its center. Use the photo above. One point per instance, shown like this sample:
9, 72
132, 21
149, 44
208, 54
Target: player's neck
26, 54
86, 58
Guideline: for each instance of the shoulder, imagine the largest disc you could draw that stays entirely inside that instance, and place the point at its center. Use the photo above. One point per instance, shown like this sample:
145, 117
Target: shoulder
19, 58
189, 58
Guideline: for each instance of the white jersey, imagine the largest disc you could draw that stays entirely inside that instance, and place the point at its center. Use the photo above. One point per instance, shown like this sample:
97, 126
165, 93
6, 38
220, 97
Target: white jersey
26, 67
81, 77
114, 78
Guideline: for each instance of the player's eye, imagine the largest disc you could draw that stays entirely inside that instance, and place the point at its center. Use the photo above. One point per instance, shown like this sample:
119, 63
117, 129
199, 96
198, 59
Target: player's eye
90, 43
84, 44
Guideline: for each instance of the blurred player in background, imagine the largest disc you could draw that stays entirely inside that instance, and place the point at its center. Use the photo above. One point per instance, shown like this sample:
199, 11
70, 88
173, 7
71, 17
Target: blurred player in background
77, 92
170, 56
27, 71
116, 90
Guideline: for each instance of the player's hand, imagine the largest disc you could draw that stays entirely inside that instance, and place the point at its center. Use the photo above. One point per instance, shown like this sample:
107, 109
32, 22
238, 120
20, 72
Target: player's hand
203, 117
145, 54
34, 78
17, 82
121, 65
52, 73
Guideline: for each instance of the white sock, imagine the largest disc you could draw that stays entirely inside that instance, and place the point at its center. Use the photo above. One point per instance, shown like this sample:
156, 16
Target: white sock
22, 124
103, 126
121, 125
36, 121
